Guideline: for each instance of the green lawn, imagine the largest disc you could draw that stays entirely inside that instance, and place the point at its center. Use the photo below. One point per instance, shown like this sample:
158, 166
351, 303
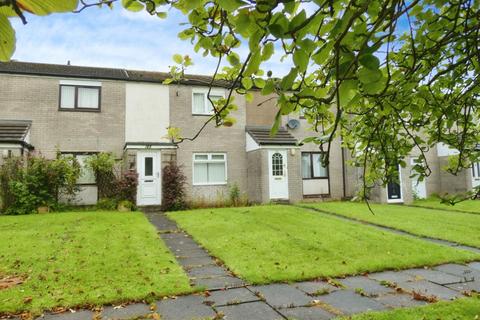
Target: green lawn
459, 227
276, 243
472, 206
467, 308
80, 258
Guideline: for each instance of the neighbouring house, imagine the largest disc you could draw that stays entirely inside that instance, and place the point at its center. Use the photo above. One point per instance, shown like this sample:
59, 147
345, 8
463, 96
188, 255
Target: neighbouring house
80, 111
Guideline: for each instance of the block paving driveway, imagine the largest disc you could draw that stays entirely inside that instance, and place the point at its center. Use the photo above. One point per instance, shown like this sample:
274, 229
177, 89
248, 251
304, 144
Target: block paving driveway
228, 297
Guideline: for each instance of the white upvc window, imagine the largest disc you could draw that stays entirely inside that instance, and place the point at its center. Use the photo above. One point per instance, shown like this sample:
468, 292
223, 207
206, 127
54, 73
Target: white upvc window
87, 175
78, 95
209, 168
200, 103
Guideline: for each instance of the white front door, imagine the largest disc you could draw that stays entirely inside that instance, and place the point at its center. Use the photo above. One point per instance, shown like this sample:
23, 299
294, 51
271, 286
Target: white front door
148, 169
277, 165
419, 188
476, 174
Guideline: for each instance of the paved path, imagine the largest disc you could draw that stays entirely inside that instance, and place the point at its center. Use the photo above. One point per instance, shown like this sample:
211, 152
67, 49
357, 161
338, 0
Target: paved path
230, 298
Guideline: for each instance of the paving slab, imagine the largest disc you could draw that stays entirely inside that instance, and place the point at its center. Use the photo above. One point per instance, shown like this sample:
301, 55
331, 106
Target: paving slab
434, 276
161, 222
218, 282
427, 288
367, 286
198, 252
282, 295
459, 270
466, 286
231, 296
208, 272
349, 302
128, 312
306, 313
391, 276
250, 311
474, 265
79, 315
196, 261
398, 300
315, 287
184, 308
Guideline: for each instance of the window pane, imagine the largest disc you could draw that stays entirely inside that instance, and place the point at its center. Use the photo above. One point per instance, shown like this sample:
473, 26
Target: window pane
318, 170
218, 157
88, 98
87, 175
306, 166
216, 172
201, 157
198, 103
67, 97
148, 166
200, 173
277, 164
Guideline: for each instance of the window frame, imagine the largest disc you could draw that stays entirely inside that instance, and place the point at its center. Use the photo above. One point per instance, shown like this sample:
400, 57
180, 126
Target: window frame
312, 176
476, 173
75, 154
209, 160
76, 108
206, 102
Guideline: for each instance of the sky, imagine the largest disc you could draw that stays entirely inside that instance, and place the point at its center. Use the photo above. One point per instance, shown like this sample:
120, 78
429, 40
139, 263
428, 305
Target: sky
112, 38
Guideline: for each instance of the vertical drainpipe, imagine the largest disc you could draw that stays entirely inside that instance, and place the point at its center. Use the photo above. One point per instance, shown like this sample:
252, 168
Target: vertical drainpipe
343, 169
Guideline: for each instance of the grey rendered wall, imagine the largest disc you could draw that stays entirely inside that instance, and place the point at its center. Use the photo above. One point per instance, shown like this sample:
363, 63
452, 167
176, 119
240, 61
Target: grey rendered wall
229, 140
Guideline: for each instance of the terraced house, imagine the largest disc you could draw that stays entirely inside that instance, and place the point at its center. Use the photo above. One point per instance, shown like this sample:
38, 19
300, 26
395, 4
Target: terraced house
75, 110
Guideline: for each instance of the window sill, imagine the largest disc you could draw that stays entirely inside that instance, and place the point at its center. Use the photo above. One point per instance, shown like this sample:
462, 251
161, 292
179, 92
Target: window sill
210, 184
203, 114
320, 178
79, 110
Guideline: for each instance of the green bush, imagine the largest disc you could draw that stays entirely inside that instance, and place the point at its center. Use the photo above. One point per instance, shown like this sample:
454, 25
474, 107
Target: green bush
103, 164
37, 181
107, 204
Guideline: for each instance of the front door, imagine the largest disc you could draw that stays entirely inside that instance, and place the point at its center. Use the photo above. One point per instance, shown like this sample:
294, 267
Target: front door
278, 174
148, 169
394, 189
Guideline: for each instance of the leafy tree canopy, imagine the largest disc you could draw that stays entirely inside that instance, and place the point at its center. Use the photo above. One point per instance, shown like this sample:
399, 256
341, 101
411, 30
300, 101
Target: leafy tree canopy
388, 77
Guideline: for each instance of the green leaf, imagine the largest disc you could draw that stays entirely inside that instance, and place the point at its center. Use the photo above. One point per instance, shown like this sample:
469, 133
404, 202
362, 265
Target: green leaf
276, 123
268, 51
297, 20
268, 88
233, 59
300, 59
289, 79
162, 15
45, 7
132, 5
178, 58
192, 4
374, 87
7, 39
369, 61
369, 75
230, 5
347, 90
247, 83
253, 64
249, 97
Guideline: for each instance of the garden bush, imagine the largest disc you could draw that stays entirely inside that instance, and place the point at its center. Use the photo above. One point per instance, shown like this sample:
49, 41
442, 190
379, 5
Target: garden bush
36, 181
173, 188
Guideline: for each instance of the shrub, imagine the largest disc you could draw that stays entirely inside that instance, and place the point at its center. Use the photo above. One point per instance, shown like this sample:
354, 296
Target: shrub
107, 204
127, 187
37, 182
173, 188
103, 164
9, 171
234, 195
125, 204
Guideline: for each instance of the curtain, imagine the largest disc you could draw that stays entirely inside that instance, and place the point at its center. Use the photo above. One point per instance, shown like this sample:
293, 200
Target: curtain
88, 98
67, 97
198, 103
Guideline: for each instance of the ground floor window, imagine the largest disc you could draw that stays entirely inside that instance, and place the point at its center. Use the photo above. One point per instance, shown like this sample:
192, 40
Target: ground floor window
312, 167
87, 175
209, 168
476, 170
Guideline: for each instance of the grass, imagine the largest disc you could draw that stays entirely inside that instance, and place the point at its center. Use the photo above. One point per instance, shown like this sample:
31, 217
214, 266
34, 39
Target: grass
466, 308
84, 258
472, 206
284, 243
458, 227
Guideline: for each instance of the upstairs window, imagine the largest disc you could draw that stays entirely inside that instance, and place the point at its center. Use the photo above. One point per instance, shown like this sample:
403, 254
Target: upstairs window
312, 167
200, 103
79, 98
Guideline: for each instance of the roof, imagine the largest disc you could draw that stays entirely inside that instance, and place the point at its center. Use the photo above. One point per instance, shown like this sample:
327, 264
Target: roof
262, 136
58, 70
15, 131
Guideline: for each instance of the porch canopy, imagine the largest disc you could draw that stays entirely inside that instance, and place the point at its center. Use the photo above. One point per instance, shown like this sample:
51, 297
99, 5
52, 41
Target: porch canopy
15, 134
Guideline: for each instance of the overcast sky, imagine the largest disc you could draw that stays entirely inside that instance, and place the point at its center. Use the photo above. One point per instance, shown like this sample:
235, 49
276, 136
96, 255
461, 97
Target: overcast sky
111, 38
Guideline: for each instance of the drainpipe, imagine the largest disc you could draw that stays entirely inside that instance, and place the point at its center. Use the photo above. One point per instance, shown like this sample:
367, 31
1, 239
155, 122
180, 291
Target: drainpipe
343, 169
